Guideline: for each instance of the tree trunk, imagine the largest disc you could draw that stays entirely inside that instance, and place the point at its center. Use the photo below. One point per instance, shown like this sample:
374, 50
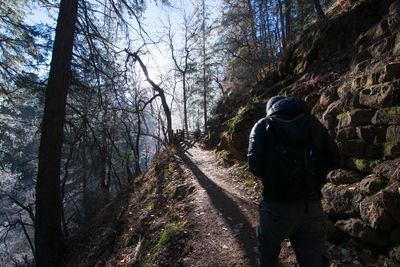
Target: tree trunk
288, 20
138, 171
282, 26
269, 33
318, 9
48, 235
204, 66
300, 13
185, 100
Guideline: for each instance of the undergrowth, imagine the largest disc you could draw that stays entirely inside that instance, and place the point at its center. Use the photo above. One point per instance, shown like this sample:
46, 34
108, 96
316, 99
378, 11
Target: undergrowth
170, 230
136, 228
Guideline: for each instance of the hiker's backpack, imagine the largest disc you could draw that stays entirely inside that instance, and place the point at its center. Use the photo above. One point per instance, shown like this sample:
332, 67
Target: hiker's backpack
292, 168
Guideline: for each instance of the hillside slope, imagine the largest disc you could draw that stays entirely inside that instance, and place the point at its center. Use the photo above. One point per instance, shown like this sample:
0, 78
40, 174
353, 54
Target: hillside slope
347, 69
186, 211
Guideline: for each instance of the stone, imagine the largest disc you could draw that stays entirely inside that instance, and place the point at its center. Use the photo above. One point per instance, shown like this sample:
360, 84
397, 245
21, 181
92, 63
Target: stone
381, 96
357, 229
355, 117
375, 33
392, 149
371, 184
372, 212
362, 165
371, 133
359, 81
341, 200
387, 169
393, 16
333, 234
381, 28
327, 97
382, 46
387, 116
353, 148
374, 151
346, 134
361, 57
341, 176
312, 99
396, 49
394, 253
329, 116
391, 201
348, 98
395, 234
361, 66
373, 78
393, 133
391, 72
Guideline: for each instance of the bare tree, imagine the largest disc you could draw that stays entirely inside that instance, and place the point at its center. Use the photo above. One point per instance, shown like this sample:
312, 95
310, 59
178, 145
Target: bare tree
160, 93
182, 57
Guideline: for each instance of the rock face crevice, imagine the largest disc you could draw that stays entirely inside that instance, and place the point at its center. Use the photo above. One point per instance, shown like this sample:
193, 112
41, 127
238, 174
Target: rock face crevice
351, 81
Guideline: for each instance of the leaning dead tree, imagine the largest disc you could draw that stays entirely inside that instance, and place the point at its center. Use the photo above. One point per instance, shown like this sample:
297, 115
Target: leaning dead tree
160, 93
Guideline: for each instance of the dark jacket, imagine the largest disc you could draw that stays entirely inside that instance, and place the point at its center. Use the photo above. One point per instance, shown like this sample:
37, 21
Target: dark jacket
293, 127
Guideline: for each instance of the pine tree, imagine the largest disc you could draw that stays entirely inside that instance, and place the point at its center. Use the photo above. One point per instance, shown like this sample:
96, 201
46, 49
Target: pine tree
48, 235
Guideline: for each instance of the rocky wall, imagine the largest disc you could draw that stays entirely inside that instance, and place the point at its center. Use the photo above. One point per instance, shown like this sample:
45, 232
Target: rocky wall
363, 113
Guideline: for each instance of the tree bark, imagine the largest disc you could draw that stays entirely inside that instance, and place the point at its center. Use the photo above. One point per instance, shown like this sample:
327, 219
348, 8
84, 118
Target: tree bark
203, 26
138, 171
282, 26
269, 33
288, 20
48, 234
300, 14
185, 101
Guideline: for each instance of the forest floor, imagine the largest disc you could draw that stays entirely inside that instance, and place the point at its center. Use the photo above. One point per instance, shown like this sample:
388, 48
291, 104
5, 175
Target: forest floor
223, 217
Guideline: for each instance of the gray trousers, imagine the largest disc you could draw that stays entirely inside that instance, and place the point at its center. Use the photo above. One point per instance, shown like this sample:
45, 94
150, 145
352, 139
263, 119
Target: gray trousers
305, 228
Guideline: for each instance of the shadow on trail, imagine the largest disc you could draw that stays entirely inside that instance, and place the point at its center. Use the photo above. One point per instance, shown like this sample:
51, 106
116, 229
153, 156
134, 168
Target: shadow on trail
230, 211
186, 145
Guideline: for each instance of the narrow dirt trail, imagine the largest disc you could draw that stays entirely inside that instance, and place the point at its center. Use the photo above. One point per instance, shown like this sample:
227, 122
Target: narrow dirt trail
223, 219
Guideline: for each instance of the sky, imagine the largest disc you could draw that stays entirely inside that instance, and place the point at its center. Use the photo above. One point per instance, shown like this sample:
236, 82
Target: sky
155, 18
159, 61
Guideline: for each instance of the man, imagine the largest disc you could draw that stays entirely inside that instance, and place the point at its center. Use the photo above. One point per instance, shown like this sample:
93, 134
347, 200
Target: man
291, 151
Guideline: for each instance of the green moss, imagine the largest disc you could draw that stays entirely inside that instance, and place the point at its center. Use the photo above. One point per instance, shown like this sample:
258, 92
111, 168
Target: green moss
392, 110
343, 120
342, 116
236, 119
244, 175
149, 258
170, 229
150, 207
301, 66
224, 158
360, 163
389, 146
171, 192
391, 143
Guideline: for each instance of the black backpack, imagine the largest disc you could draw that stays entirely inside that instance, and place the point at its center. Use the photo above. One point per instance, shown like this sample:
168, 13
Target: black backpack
292, 163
